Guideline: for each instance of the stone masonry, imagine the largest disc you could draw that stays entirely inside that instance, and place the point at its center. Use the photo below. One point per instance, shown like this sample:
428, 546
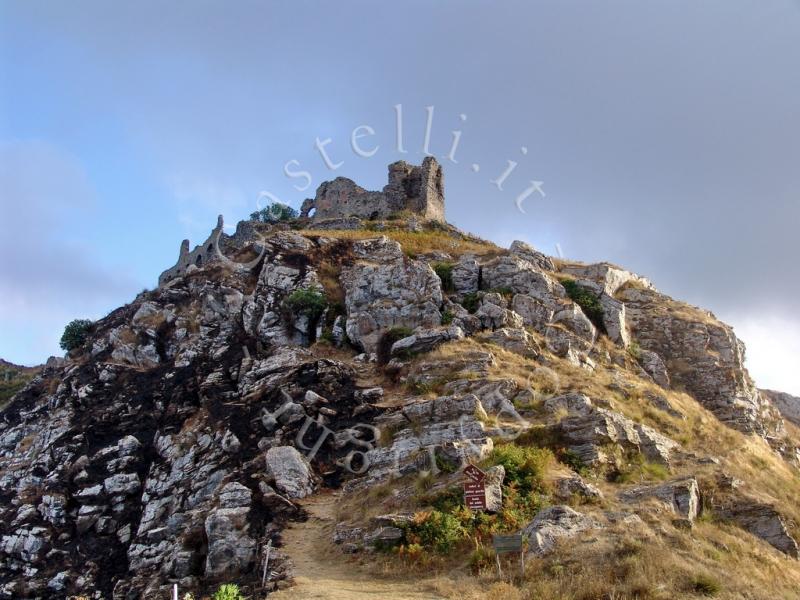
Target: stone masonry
416, 189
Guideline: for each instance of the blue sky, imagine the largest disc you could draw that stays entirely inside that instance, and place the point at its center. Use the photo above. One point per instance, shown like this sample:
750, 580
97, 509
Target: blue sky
666, 135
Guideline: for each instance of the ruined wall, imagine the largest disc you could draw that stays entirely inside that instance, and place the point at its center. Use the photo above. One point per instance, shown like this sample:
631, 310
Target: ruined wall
417, 189
207, 252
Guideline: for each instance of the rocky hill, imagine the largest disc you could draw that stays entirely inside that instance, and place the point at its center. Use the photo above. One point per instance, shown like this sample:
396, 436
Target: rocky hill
618, 428
13, 378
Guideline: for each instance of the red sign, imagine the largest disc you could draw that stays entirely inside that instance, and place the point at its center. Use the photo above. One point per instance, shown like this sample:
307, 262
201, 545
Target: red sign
474, 473
474, 489
475, 499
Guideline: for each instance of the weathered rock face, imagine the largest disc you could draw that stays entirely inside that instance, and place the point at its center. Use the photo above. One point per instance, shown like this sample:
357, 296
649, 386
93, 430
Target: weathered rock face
291, 472
385, 289
762, 521
118, 475
554, 524
788, 405
681, 497
589, 429
416, 189
702, 355
425, 340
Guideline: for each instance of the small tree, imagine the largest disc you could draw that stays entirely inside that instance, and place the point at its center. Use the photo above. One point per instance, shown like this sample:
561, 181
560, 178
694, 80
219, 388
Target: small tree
75, 334
274, 213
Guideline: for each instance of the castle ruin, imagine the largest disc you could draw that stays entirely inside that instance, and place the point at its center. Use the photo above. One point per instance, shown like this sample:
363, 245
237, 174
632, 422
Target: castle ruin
411, 189
415, 189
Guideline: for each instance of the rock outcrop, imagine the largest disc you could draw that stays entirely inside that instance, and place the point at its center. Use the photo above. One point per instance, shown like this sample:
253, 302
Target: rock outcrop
414, 189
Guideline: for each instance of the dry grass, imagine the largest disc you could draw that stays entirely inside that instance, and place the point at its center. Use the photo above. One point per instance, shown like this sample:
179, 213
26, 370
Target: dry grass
413, 243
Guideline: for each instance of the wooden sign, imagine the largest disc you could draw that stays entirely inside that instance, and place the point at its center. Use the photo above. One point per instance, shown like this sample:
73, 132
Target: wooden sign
506, 544
475, 496
503, 544
474, 488
474, 473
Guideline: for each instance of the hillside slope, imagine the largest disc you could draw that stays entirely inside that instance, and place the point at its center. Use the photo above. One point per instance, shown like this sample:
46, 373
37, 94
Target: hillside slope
618, 428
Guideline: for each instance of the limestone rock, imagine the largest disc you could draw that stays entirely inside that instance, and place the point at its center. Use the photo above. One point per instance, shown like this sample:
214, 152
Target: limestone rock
231, 550
788, 405
521, 277
567, 487
654, 366
515, 340
763, 521
589, 428
493, 485
385, 289
554, 524
466, 274
530, 254
291, 471
425, 340
681, 497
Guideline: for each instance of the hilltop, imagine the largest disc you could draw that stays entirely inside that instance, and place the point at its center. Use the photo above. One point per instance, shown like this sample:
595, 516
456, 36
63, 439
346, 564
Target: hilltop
310, 389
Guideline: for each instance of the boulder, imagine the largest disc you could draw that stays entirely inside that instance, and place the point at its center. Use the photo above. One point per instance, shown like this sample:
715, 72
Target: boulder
553, 524
515, 340
682, 496
425, 340
530, 254
291, 471
493, 485
763, 521
569, 487
231, 550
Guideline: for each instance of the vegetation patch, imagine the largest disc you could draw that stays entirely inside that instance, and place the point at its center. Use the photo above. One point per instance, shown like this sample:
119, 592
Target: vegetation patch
75, 334
471, 302
587, 300
387, 340
306, 302
445, 273
274, 213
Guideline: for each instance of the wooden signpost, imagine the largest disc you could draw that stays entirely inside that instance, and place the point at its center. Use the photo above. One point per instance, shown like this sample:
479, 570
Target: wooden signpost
474, 488
506, 544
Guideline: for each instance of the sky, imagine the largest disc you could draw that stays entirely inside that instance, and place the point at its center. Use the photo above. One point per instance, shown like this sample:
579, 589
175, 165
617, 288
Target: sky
663, 136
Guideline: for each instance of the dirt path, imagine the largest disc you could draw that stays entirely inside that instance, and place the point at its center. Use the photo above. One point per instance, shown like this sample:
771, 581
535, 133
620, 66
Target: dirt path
323, 572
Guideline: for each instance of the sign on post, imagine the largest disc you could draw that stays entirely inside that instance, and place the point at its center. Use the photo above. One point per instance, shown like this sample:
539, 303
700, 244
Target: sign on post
474, 488
506, 544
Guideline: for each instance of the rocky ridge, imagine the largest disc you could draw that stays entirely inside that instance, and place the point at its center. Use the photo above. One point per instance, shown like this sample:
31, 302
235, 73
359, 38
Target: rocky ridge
178, 443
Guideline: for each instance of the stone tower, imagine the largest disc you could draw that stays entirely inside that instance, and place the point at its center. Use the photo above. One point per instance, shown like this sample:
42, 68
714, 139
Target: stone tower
411, 188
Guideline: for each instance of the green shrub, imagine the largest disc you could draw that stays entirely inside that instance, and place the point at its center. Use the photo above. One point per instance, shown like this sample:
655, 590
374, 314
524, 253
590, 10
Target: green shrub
306, 302
471, 302
386, 341
635, 351
447, 317
228, 591
75, 334
705, 585
506, 292
525, 467
585, 298
572, 460
435, 530
445, 273
274, 213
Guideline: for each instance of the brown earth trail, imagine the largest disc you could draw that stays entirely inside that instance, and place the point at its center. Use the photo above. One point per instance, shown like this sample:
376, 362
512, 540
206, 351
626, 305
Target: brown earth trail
322, 571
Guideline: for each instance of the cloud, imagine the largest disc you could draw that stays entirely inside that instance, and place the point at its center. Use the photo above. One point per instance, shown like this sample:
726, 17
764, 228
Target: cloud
773, 345
49, 275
